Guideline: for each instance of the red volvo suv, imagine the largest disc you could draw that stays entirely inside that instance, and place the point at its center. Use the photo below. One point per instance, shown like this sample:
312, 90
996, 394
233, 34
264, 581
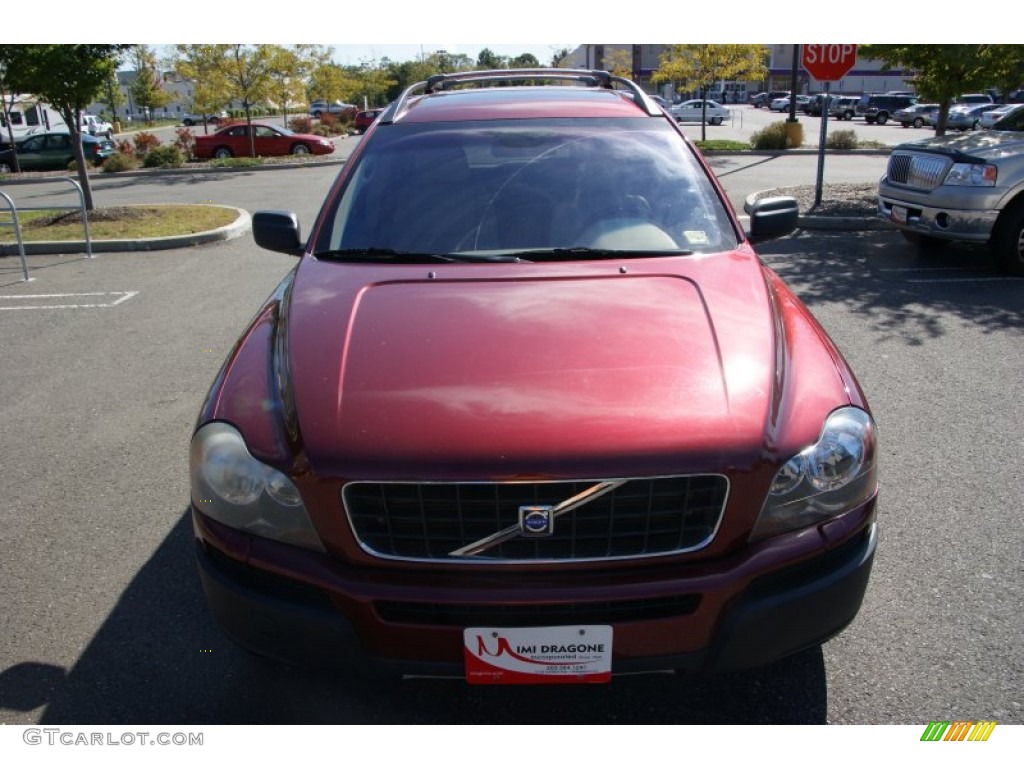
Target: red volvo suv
529, 409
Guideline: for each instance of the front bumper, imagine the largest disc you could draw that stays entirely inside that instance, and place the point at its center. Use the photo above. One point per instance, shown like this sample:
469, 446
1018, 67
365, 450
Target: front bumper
967, 215
745, 613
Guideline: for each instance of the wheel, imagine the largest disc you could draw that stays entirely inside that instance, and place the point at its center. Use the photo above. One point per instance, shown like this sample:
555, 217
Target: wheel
716, 120
188, 122
974, 125
221, 152
882, 118
110, 135
847, 115
317, 114
5, 168
300, 149
1008, 238
918, 122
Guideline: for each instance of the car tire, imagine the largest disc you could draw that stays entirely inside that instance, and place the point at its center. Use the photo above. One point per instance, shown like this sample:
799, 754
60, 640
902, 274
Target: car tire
221, 153
1008, 238
716, 120
5, 168
316, 115
918, 122
188, 122
300, 149
847, 115
882, 118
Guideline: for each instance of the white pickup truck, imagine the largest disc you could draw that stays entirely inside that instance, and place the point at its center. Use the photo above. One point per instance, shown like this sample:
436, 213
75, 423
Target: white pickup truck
96, 127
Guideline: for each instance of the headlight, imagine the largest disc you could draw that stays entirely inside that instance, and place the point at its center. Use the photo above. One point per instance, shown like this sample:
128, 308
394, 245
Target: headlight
235, 489
832, 476
971, 175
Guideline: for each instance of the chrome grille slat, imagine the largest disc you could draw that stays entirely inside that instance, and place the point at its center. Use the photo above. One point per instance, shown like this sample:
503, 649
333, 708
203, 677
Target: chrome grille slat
922, 171
643, 517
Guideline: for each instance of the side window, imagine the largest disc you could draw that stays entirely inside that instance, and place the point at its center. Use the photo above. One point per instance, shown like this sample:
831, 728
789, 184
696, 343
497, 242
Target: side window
32, 145
58, 142
238, 130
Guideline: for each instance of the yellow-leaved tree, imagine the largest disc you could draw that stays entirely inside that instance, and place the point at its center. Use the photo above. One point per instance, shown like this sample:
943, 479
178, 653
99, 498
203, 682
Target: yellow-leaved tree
691, 67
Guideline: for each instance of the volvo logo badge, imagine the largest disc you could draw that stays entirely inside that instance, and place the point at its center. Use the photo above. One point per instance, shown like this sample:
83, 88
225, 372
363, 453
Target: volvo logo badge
537, 520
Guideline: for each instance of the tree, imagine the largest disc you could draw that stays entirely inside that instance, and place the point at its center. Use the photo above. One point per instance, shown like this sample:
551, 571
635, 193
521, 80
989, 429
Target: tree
112, 95
199, 65
8, 90
290, 68
619, 62
69, 78
245, 72
524, 61
940, 73
700, 66
147, 89
488, 59
560, 58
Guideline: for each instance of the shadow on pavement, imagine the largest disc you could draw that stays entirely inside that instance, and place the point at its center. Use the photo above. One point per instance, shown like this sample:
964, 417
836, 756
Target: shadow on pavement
159, 659
909, 291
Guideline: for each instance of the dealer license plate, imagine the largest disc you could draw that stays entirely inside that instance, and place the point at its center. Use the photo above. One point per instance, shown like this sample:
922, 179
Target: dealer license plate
899, 214
538, 655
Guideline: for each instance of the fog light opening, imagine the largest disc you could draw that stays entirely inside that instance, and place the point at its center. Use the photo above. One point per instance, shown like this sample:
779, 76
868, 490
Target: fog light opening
942, 221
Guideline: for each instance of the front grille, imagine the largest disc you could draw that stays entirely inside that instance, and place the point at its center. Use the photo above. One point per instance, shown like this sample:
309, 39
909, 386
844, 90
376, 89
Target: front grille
642, 517
920, 171
609, 612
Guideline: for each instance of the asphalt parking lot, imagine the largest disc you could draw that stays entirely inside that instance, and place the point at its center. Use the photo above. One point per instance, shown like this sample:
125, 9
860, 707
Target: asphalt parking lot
106, 362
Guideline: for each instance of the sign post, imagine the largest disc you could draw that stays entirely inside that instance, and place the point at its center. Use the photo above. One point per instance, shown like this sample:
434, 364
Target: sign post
826, 63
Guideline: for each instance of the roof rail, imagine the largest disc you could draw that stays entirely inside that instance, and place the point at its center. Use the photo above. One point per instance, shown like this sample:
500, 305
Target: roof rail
595, 77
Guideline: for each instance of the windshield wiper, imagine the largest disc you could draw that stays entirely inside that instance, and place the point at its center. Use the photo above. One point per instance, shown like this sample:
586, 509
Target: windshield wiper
392, 256
583, 253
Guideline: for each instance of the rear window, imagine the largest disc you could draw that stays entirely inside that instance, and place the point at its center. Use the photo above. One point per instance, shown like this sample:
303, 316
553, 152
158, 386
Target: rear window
513, 185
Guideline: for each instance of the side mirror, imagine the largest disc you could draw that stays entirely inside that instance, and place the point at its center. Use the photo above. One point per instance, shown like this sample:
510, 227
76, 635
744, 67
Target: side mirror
277, 231
772, 217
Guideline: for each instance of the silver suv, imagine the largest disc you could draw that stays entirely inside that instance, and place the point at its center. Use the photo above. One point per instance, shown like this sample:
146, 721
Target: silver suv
965, 187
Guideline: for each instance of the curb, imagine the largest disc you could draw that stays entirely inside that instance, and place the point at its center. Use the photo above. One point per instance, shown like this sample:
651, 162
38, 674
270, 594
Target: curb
237, 228
826, 223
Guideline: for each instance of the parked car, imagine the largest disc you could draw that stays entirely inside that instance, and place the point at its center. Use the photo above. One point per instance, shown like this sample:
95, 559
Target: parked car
270, 140
961, 187
189, 119
661, 101
53, 152
843, 107
94, 126
992, 116
365, 118
692, 111
781, 104
974, 98
765, 98
529, 408
966, 117
318, 108
813, 105
917, 115
878, 108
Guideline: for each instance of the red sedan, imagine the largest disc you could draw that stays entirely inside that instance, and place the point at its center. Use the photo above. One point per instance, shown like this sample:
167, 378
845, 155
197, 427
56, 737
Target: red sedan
270, 141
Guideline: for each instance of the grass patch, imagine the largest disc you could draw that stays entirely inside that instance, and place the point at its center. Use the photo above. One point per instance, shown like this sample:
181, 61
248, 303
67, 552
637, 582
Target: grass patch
722, 145
235, 162
118, 223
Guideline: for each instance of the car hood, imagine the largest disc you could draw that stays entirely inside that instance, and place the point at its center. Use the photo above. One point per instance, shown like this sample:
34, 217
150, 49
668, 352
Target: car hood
986, 144
544, 370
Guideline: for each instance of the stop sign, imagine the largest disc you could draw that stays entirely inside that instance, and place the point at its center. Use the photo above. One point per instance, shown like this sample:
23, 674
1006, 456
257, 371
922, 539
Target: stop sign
828, 62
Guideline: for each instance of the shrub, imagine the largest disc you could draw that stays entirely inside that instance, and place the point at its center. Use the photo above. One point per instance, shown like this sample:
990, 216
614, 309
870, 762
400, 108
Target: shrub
144, 142
841, 140
119, 161
301, 124
184, 141
770, 137
124, 147
165, 156
329, 121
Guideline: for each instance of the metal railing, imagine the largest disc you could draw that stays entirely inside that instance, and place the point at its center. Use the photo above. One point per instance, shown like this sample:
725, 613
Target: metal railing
16, 225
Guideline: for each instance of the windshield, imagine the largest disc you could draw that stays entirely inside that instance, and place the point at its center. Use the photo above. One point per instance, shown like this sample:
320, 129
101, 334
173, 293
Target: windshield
1012, 121
569, 187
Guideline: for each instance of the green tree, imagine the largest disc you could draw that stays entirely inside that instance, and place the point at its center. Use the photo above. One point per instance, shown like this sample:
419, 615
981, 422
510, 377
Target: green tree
619, 62
524, 61
199, 65
245, 71
69, 78
147, 89
290, 69
488, 59
940, 73
560, 58
701, 66
8, 90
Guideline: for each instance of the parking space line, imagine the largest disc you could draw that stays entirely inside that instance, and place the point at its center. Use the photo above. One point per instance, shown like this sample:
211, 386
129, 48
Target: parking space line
123, 296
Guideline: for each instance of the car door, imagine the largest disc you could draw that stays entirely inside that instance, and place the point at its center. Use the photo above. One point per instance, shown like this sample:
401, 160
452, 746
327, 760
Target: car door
58, 151
237, 139
269, 142
31, 156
